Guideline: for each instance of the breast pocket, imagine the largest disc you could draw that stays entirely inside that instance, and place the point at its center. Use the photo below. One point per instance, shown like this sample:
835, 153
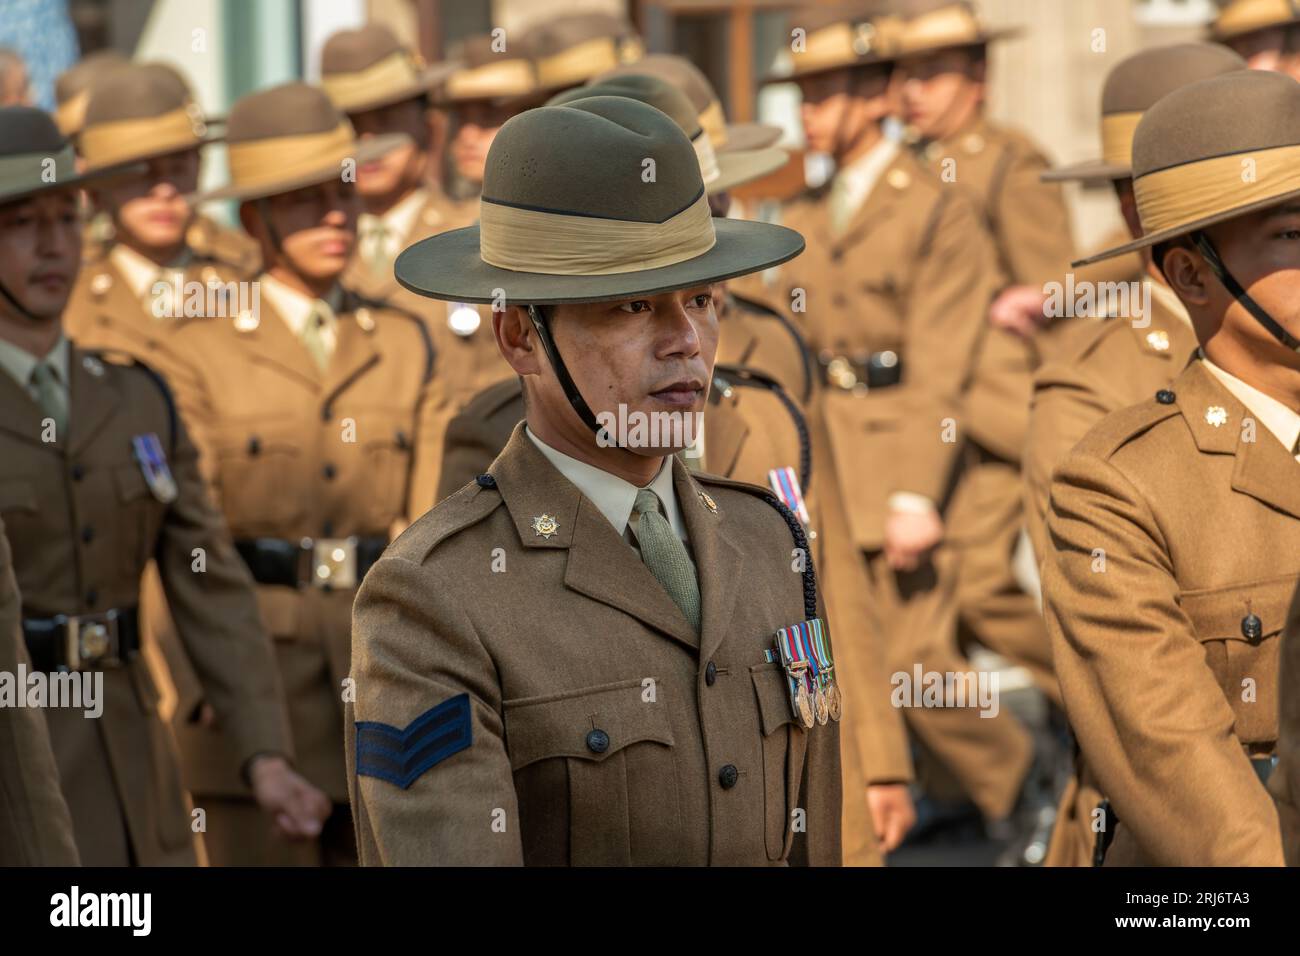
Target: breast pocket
386, 453
1240, 628
594, 768
138, 513
784, 744
259, 481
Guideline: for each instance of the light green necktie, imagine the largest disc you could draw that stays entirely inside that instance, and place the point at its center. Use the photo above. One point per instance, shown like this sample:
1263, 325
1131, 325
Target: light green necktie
375, 240
49, 395
314, 334
666, 556
841, 211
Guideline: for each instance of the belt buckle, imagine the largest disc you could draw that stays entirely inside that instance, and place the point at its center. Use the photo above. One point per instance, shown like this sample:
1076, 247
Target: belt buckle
91, 640
333, 562
839, 371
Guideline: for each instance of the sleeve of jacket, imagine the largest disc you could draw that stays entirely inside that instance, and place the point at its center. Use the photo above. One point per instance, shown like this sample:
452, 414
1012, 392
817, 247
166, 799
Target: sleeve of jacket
1284, 784
821, 794
444, 801
216, 615
1032, 221
955, 281
1148, 712
35, 828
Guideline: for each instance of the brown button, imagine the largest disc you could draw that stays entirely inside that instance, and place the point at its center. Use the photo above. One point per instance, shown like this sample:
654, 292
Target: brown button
711, 673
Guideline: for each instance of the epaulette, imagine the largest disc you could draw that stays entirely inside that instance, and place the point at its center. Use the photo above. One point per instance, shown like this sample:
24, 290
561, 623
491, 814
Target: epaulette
352, 301
1120, 428
464, 509
792, 522
738, 376
126, 360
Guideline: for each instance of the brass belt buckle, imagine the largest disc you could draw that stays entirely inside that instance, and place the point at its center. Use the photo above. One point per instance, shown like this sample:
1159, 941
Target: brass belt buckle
840, 373
92, 640
333, 562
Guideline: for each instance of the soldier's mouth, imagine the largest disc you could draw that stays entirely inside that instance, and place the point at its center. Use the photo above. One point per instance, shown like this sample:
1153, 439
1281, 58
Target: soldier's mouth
683, 393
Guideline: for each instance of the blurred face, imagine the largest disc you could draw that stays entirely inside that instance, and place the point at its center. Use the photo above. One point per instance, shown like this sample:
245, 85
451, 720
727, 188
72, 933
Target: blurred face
839, 106
1263, 49
15, 86
316, 227
396, 172
940, 92
1262, 251
149, 210
40, 252
477, 122
652, 355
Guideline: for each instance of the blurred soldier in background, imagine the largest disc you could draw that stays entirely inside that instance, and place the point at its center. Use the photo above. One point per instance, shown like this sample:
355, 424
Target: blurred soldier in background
1265, 32
73, 86
15, 87
309, 407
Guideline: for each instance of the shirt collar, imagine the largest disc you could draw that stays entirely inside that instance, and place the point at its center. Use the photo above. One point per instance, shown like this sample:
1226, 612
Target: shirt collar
141, 273
1283, 422
612, 496
19, 363
294, 307
860, 176
400, 220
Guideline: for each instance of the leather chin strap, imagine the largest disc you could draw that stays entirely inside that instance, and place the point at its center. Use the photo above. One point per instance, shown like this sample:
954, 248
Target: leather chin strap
16, 305
1211, 255
264, 209
561, 371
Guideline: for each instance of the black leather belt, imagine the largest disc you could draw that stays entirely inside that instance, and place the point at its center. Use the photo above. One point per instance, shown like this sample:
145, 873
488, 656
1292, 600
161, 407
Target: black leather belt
326, 563
83, 641
861, 371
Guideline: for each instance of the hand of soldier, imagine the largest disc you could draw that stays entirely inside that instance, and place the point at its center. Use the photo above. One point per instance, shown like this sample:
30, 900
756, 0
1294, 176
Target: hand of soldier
298, 808
910, 536
1019, 309
892, 813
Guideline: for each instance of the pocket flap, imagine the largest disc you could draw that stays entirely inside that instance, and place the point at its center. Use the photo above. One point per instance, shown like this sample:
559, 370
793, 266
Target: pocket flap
565, 725
17, 495
1218, 614
773, 690
130, 482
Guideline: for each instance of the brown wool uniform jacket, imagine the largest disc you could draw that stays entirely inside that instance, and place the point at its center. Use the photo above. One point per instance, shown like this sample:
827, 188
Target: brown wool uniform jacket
1000, 168
35, 828
83, 523
758, 336
1285, 782
293, 453
531, 740
913, 273
1167, 532
1100, 367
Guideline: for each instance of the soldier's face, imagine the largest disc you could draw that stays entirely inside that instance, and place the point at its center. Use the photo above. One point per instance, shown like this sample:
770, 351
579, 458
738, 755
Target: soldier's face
939, 90
40, 251
477, 123
401, 168
838, 107
150, 210
1263, 49
649, 356
317, 227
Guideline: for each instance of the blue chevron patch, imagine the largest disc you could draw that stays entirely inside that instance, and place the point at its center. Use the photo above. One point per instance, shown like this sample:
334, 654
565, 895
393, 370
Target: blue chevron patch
402, 756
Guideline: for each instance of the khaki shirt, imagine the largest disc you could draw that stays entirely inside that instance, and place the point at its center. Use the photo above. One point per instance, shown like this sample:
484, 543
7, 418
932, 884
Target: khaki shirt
550, 748
1171, 523
83, 523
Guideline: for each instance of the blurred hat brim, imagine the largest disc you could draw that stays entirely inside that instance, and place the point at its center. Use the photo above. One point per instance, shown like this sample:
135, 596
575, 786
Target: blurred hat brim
366, 151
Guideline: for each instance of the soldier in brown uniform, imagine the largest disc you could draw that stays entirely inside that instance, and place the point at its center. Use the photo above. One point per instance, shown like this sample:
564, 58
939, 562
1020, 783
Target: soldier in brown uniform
98, 475
1285, 782
611, 698
133, 292
1122, 358
72, 88
35, 829
891, 293
1265, 32
310, 411
941, 80
1164, 635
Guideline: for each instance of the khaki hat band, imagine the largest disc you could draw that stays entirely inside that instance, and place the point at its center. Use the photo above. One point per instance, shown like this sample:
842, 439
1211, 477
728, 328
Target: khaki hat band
106, 144
393, 72
1245, 16
709, 170
282, 158
1117, 131
1174, 197
511, 77
714, 123
951, 26
72, 113
531, 240
36, 169
579, 62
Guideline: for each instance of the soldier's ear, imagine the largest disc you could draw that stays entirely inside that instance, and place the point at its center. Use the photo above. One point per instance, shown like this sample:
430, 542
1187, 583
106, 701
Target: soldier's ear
517, 340
1187, 274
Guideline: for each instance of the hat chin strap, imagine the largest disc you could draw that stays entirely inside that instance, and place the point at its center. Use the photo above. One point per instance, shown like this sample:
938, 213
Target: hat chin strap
16, 305
1211, 255
561, 371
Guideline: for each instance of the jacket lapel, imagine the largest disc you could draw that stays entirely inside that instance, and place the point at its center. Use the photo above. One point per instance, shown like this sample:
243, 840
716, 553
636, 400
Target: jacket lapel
600, 564
719, 565
269, 342
725, 432
353, 355
93, 400
19, 414
876, 208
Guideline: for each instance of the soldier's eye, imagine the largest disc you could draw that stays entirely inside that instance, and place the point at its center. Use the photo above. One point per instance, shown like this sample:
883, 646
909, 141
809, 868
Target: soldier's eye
637, 305
703, 300
1289, 234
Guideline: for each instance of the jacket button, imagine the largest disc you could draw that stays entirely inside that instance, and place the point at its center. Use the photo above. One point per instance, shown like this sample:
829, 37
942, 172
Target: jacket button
92, 597
254, 444
1165, 397
329, 472
728, 776
1252, 628
87, 534
598, 741
486, 481
78, 473
711, 673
